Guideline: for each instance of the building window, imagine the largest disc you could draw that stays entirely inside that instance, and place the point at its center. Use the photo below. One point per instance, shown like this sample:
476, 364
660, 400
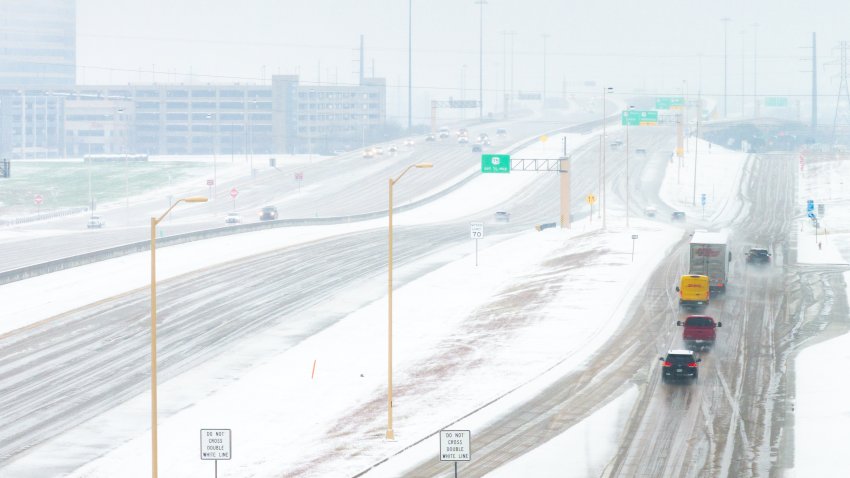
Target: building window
176, 127
177, 105
147, 94
231, 105
177, 117
203, 105
177, 93
203, 94
231, 94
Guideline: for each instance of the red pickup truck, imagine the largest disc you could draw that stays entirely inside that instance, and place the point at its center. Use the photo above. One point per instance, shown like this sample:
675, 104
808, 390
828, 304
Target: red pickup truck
699, 330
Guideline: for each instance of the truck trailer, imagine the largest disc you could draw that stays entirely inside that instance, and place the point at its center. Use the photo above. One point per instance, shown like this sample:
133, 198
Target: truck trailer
710, 256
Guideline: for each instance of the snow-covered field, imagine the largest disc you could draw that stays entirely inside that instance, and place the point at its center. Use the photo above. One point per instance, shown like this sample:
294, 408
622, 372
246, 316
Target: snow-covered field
821, 410
285, 418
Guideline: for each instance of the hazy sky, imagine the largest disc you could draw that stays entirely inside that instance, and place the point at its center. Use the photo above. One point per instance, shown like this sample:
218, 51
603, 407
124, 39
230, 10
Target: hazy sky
650, 45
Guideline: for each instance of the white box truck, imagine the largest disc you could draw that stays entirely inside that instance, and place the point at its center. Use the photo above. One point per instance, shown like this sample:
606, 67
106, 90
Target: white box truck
710, 256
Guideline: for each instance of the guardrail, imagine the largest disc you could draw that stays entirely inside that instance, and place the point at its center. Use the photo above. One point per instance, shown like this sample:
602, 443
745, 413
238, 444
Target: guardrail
56, 265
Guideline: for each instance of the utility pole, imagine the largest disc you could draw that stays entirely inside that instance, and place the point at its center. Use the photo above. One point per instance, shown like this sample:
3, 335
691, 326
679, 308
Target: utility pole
545, 37
842, 104
743, 72
725, 21
409, 65
755, 53
481, 62
814, 85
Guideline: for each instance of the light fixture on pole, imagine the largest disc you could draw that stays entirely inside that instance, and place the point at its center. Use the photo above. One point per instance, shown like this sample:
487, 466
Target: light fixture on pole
215, 158
604, 198
545, 37
481, 61
154, 432
725, 21
390, 434
627, 166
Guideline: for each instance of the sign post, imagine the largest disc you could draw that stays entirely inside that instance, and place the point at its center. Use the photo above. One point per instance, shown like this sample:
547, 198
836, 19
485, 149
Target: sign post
37, 200
215, 445
702, 201
233, 193
210, 183
634, 238
299, 176
590, 200
455, 446
476, 231
639, 118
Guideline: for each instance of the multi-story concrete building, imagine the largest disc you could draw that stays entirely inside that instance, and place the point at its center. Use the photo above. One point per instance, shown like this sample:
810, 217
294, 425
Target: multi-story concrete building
37, 44
284, 117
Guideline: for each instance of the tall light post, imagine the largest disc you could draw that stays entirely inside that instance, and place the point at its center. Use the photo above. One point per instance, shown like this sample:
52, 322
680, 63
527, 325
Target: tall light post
627, 166
545, 37
120, 110
215, 157
409, 65
511, 101
604, 198
390, 434
154, 432
481, 62
725, 21
463, 89
755, 45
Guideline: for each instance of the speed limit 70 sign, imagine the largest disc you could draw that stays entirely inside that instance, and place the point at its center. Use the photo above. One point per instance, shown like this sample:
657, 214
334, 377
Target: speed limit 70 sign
476, 230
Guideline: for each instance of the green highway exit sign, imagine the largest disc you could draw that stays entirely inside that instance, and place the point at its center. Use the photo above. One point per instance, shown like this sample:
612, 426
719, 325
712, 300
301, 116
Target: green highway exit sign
776, 101
669, 102
495, 163
639, 118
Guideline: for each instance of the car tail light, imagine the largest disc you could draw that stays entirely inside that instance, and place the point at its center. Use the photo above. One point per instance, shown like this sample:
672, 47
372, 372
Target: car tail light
666, 364
692, 365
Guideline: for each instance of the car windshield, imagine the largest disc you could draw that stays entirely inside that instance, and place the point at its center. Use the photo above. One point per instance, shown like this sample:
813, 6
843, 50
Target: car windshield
680, 359
699, 322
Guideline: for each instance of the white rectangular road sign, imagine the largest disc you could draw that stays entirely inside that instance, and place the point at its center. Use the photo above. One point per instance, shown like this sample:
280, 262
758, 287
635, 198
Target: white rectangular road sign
476, 230
454, 445
215, 444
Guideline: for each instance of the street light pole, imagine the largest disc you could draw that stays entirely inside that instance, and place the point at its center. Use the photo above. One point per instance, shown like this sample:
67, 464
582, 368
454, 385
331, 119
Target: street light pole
604, 198
154, 431
215, 159
481, 62
545, 37
627, 172
725, 21
409, 65
390, 433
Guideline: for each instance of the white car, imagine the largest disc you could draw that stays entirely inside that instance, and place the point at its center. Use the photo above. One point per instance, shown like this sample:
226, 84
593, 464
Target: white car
232, 218
379, 150
95, 222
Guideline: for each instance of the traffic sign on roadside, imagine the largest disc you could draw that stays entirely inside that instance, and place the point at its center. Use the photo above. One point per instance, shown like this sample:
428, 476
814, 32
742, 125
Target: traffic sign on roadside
495, 163
210, 182
702, 199
454, 445
215, 444
668, 103
476, 230
234, 193
591, 199
38, 199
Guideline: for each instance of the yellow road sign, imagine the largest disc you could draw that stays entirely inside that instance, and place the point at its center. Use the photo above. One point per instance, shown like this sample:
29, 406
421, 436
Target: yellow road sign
543, 138
590, 199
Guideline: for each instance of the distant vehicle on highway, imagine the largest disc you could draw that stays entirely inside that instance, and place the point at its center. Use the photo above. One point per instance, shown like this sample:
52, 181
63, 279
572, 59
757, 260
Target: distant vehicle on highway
502, 216
650, 211
501, 132
679, 364
462, 139
268, 213
757, 255
430, 137
379, 150
392, 149
616, 144
232, 218
694, 291
699, 330
476, 148
409, 142
640, 152
677, 216
368, 153
95, 222
444, 132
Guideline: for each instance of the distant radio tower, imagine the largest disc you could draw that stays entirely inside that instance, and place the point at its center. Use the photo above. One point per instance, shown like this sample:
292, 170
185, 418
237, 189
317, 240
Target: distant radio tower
841, 123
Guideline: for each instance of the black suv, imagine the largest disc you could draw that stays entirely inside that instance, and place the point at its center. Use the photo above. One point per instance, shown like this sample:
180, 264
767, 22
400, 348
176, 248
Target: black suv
758, 256
268, 213
679, 364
